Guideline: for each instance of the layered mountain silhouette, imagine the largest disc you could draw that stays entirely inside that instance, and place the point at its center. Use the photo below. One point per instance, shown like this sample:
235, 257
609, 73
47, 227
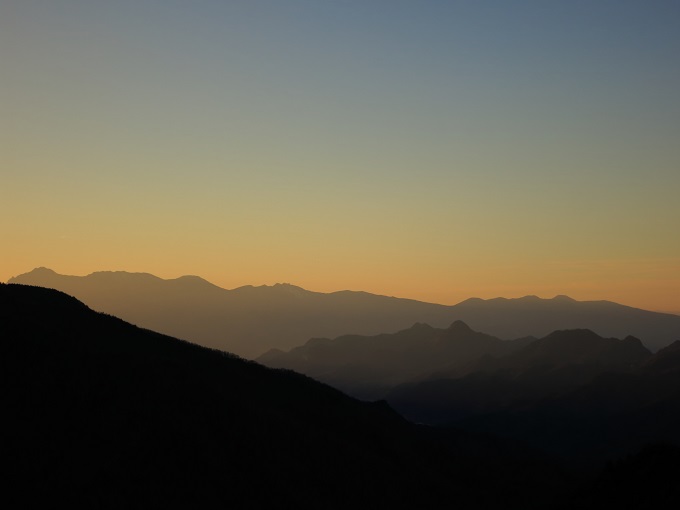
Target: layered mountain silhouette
252, 320
246, 321
368, 367
100, 413
530, 315
572, 394
613, 415
543, 368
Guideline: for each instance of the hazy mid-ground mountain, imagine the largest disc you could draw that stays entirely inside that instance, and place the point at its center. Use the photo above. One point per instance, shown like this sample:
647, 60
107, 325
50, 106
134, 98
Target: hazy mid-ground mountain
613, 414
99, 413
251, 320
544, 368
572, 394
368, 367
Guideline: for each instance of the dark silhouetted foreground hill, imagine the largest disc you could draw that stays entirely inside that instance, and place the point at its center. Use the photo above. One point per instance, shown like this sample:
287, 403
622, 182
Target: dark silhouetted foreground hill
648, 479
101, 414
98, 413
369, 367
251, 320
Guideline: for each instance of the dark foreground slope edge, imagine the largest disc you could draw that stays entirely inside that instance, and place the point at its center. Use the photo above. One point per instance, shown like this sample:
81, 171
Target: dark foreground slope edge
101, 414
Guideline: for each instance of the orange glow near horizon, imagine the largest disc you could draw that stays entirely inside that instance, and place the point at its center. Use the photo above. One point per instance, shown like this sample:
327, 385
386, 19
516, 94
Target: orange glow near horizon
336, 147
648, 289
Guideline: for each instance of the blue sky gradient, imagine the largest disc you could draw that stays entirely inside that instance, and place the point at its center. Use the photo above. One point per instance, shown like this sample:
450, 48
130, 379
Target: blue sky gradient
427, 149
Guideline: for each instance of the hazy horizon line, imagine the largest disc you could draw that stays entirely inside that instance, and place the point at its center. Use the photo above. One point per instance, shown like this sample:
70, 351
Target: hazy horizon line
556, 296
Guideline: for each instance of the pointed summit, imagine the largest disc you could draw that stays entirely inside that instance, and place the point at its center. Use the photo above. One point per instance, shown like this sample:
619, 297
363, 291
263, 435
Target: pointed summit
42, 271
39, 274
421, 326
195, 281
459, 327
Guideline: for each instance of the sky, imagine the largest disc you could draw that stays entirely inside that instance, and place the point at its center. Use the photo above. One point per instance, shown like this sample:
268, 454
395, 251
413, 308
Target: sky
436, 150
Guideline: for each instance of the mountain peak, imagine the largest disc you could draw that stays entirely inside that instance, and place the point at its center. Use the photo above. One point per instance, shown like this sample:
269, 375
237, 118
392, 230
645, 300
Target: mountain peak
121, 276
289, 287
563, 298
630, 339
459, 326
40, 273
667, 359
191, 278
420, 326
42, 270
473, 300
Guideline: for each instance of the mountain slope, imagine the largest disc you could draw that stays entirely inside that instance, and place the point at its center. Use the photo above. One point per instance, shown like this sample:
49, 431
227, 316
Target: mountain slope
102, 411
252, 320
99, 413
103, 414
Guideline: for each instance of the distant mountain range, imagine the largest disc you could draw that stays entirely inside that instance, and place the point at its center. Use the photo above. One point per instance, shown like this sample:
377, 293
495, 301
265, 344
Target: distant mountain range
368, 367
571, 393
249, 320
533, 316
562, 361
